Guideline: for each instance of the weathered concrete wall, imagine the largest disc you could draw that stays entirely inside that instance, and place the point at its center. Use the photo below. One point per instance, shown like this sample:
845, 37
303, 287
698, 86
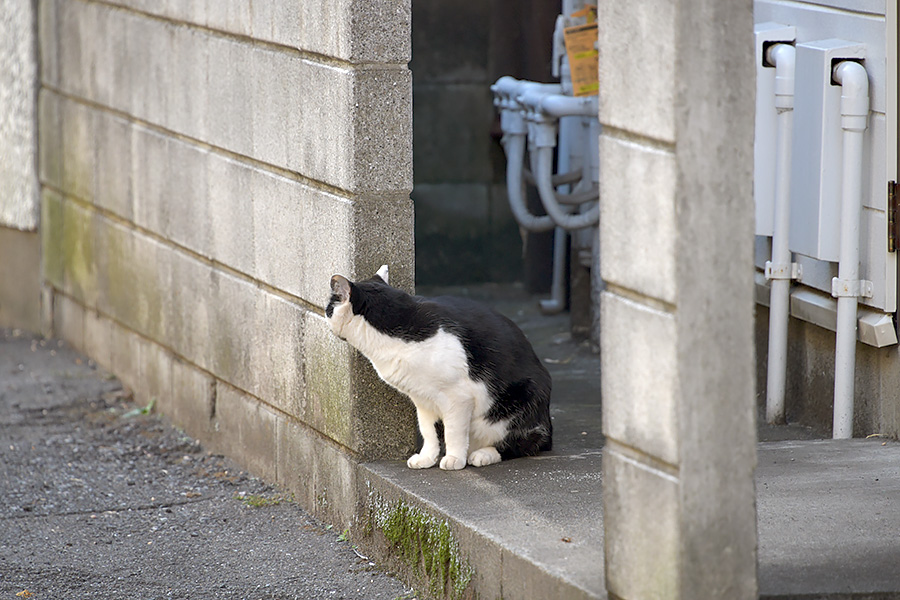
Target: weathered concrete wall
19, 194
18, 130
809, 393
205, 169
676, 227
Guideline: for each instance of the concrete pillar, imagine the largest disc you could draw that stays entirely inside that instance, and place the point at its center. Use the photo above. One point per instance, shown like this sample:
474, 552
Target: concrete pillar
677, 93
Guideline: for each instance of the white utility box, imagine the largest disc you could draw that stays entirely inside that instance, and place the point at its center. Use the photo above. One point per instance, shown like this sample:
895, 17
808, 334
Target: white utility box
865, 26
817, 148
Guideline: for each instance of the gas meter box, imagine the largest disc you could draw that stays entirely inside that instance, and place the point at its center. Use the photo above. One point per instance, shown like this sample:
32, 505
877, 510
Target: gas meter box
817, 148
826, 32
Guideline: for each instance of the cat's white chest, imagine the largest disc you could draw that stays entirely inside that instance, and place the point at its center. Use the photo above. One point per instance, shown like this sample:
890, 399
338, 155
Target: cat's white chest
420, 369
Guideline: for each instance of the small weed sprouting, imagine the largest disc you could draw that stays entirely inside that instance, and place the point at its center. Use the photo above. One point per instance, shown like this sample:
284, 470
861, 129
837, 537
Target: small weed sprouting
258, 501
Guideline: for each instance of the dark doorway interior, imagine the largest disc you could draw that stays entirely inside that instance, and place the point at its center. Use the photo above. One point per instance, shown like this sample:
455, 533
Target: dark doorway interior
465, 232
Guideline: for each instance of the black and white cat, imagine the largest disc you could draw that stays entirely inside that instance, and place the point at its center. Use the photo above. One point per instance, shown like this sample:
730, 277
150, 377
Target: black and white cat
459, 362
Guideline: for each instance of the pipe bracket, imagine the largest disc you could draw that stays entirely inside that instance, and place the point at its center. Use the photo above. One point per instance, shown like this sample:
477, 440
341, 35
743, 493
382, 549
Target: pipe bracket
783, 271
851, 288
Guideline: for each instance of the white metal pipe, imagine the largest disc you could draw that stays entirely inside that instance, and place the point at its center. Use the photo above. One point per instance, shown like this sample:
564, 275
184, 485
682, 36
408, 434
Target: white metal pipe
854, 112
783, 57
569, 106
507, 89
514, 144
543, 102
541, 165
557, 301
558, 179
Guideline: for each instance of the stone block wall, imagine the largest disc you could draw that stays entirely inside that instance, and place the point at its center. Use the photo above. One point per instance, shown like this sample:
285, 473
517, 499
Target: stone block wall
205, 168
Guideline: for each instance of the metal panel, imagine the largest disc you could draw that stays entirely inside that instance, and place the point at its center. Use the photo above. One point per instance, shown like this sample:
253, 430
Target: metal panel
875, 24
816, 153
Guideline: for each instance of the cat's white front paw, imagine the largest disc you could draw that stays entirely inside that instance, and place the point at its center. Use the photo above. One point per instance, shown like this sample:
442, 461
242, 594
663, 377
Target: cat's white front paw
452, 463
484, 456
421, 461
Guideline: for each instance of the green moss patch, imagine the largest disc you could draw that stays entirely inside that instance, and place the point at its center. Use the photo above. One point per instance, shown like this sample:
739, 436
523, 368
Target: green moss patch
426, 545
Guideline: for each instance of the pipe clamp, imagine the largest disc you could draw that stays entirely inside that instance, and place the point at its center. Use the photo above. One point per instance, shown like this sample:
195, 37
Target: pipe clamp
851, 288
783, 271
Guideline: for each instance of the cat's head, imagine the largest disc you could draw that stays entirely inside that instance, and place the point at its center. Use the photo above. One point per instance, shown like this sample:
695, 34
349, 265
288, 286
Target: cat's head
344, 292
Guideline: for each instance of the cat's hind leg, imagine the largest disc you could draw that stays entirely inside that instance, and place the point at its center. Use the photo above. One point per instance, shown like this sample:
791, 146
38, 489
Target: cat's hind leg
431, 448
484, 457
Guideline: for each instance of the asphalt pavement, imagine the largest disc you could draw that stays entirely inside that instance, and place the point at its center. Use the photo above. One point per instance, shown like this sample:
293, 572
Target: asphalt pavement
101, 500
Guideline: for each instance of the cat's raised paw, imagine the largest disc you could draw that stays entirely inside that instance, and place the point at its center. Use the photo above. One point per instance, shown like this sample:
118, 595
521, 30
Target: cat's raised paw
421, 461
484, 457
452, 463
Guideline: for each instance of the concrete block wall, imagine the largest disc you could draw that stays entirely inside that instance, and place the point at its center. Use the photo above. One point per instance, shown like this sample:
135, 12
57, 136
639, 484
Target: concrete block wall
205, 168
676, 105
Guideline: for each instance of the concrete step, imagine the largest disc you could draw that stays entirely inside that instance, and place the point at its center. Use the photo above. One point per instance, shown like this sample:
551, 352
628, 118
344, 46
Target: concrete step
527, 528
828, 520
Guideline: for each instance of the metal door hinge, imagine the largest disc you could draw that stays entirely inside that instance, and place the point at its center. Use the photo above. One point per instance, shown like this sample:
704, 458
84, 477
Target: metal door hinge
893, 197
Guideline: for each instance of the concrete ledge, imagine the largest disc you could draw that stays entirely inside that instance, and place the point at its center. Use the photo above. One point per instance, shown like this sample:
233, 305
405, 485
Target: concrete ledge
351, 30
527, 528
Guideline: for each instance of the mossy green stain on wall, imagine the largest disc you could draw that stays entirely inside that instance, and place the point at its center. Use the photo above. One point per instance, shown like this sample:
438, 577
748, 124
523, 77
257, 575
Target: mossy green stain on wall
121, 288
426, 545
329, 394
132, 279
78, 255
51, 238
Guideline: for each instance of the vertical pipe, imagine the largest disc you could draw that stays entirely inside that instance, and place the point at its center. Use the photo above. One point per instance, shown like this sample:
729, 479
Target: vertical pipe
557, 301
783, 57
854, 112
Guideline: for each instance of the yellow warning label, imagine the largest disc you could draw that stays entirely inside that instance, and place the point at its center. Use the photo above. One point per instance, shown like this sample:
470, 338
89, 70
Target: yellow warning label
581, 48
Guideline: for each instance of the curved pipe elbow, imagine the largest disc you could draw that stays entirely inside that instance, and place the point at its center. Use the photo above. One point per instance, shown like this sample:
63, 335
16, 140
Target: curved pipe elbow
854, 82
784, 57
514, 146
543, 169
512, 87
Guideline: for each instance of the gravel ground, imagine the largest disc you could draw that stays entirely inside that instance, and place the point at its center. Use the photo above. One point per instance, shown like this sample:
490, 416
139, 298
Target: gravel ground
101, 501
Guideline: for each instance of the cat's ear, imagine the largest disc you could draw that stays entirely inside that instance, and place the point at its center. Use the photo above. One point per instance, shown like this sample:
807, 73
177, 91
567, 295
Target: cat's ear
383, 273
340, 286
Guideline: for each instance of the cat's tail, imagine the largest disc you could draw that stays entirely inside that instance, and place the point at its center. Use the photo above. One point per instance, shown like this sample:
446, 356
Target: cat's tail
529, 442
